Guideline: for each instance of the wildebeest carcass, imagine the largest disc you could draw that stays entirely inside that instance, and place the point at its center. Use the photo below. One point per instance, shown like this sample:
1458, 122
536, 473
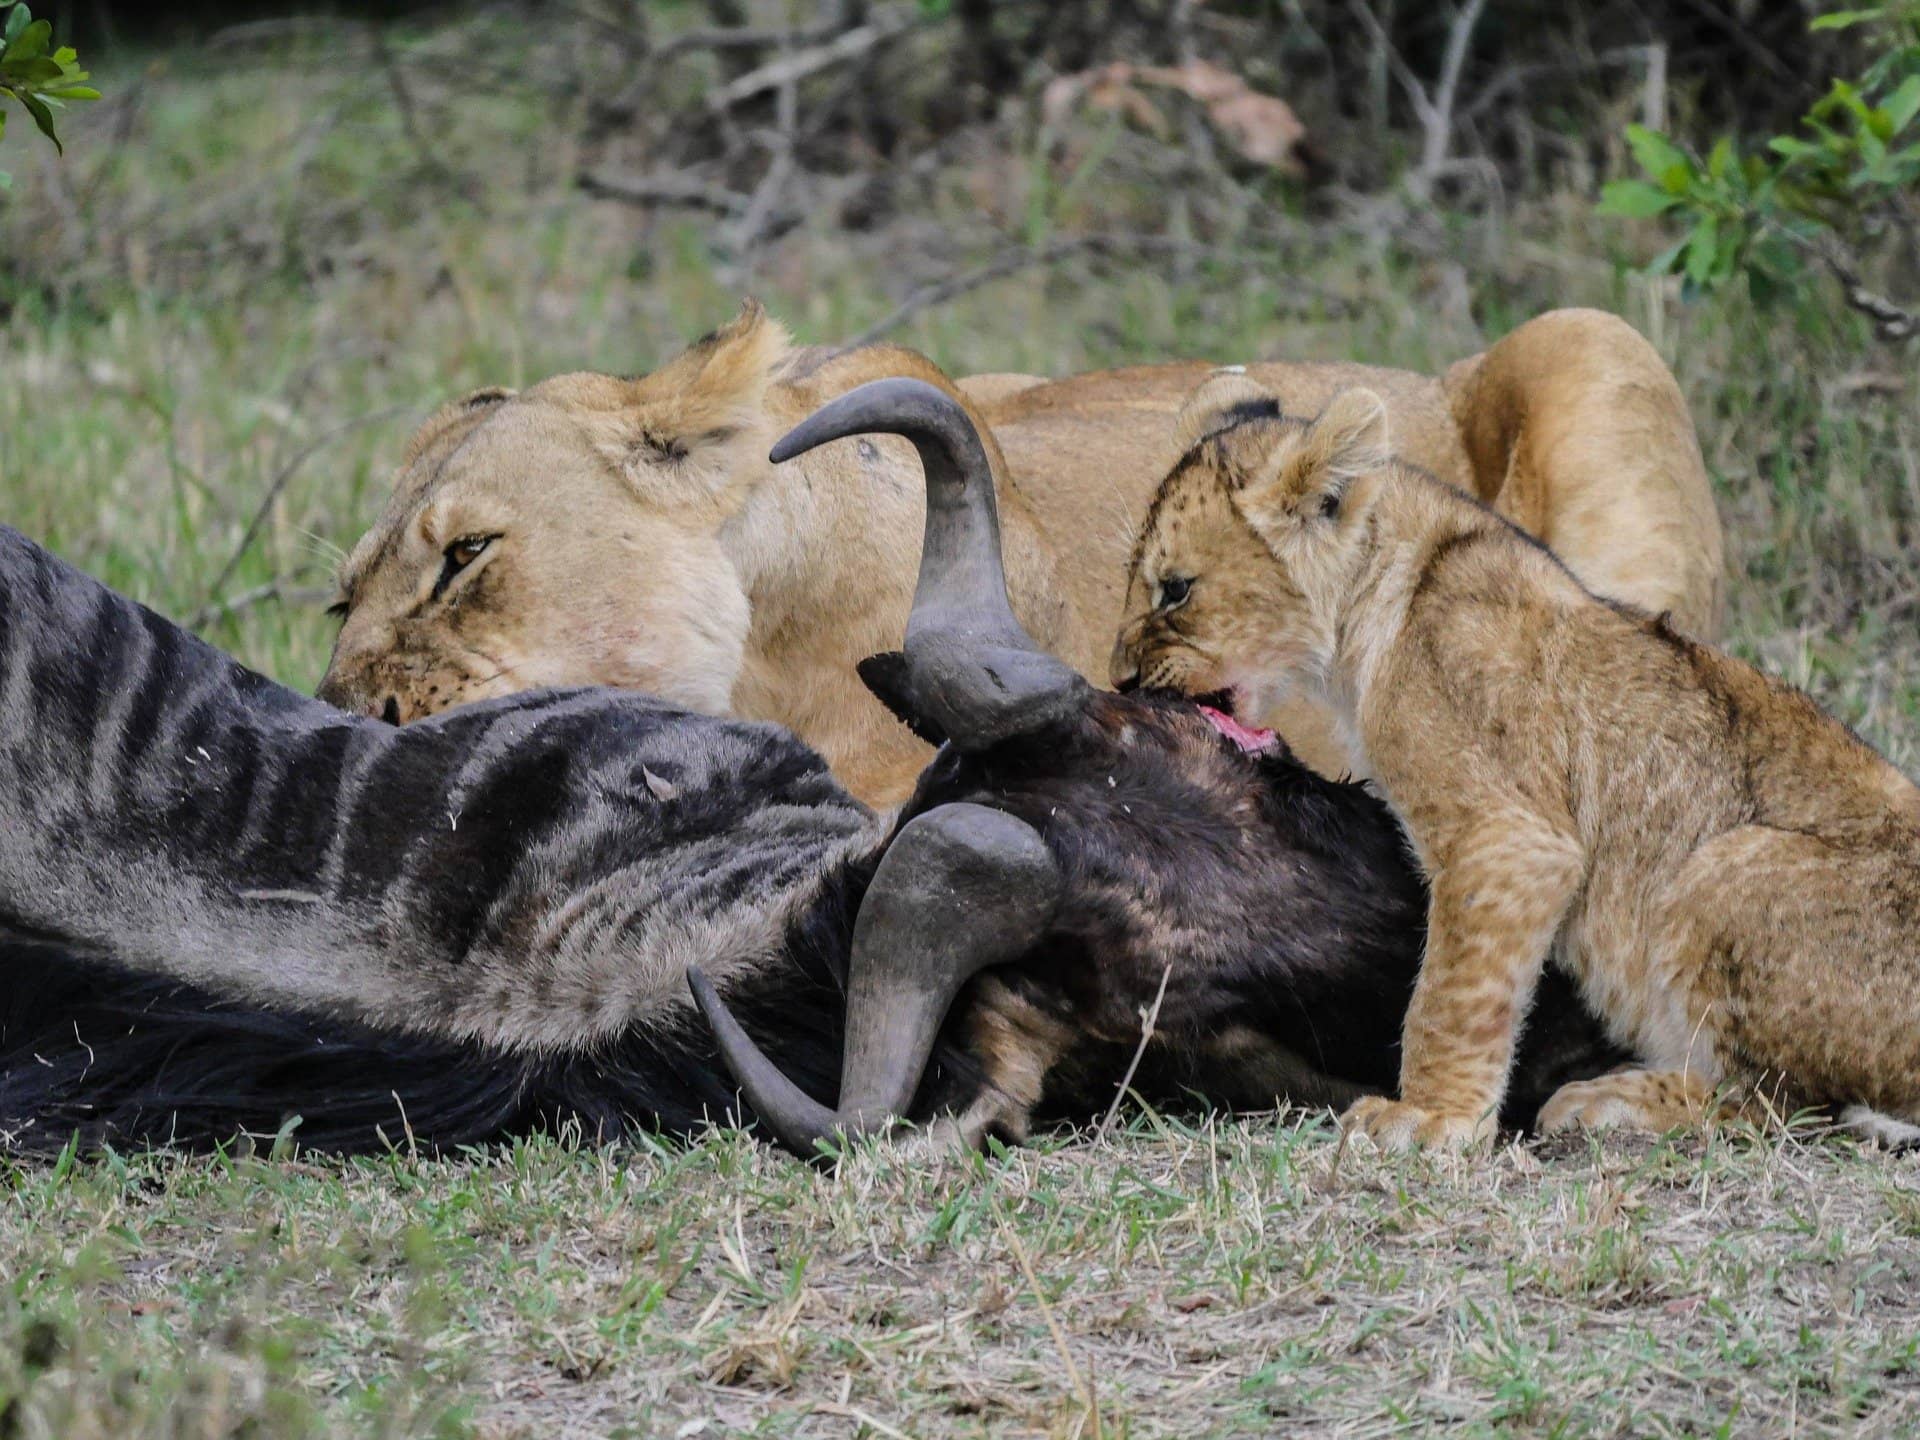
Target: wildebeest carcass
1130, 853
227, 905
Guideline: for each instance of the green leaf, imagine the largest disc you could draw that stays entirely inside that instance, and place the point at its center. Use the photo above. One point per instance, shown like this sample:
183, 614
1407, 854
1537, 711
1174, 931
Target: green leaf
1721, 158
30, 44
1635, 199
1846, 19
1903, 104
17, 19
1726, 255
34, 72
1668, 259
1702, 247
1765, 289
74, 92
1657, 155
43, 117
1791, 148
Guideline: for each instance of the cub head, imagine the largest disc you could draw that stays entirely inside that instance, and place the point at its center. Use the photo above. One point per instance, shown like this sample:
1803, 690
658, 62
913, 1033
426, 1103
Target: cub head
1249, 545
568, 534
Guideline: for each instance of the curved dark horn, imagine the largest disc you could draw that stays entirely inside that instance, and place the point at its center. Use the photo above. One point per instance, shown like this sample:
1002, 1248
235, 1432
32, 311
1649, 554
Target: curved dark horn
962, 887
974, 672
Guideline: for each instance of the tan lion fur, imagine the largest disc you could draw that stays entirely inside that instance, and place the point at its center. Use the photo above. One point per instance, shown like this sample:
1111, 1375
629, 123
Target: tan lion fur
1732, 877
645, 541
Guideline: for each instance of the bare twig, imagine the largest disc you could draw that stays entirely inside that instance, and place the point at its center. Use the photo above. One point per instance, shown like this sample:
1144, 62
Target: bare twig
1653, 104
1012, 262
758, 218
790, 69
1512, 77
254, 32
403, 100
1741, 32
279, 483
1149, 1015
1434, 109
629, 35
664, 190
1892, 323
1439, 124
274, 590
741, 38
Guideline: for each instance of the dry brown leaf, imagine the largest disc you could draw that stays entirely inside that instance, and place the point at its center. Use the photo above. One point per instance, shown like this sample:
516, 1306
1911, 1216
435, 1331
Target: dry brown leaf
1261, 128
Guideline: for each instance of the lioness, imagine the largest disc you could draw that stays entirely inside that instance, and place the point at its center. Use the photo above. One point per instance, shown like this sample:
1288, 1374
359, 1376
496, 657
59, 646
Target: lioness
1732, 877
594, 530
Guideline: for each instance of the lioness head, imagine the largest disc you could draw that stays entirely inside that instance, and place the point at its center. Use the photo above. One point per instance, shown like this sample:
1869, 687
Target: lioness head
512, 555
1248, 545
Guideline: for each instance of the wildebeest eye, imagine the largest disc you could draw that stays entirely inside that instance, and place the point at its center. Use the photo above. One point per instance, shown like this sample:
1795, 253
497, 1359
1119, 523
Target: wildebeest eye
338, 609
458, 556
1172, 593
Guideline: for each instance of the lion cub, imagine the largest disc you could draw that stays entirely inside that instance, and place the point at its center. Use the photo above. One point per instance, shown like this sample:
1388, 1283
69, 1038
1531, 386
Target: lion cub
1731, 876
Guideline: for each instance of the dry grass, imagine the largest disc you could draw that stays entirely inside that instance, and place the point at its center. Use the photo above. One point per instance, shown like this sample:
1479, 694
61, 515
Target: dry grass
1242, 1277
244, 284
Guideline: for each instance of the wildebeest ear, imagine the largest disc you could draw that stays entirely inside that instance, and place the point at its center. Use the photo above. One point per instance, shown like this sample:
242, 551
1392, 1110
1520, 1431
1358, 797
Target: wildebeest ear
885, 675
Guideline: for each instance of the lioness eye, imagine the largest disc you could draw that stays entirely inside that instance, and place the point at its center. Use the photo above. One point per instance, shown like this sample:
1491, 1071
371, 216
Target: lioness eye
1173, 592
459, 555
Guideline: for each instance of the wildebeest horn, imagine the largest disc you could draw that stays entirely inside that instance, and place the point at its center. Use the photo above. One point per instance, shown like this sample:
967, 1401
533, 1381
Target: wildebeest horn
962, 887
974, 674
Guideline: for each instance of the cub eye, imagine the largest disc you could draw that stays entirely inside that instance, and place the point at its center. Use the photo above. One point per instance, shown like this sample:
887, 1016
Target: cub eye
463, 552
458, 556
1173, 592
338, 609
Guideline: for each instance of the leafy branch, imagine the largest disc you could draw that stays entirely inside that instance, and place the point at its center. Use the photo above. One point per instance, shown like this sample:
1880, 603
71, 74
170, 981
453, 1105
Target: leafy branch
1845, 180
40, 79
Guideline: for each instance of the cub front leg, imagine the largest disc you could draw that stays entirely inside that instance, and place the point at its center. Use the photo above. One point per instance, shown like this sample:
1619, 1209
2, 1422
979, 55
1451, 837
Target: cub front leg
1499, 895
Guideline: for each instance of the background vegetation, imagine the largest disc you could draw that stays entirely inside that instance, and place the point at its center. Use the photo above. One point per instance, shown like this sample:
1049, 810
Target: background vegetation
280, 241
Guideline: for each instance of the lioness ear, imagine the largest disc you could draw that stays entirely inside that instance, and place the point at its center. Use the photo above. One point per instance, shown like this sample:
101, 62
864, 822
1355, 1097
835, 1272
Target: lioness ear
680, 425
1222, 399
1309, 473
461, 414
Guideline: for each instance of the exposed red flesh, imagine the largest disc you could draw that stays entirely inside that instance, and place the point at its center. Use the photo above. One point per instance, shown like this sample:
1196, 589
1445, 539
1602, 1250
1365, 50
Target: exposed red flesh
1249, 738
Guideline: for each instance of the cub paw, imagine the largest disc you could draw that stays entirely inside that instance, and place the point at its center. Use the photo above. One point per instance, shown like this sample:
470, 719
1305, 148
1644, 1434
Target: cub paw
1632, 1100
1397, 1125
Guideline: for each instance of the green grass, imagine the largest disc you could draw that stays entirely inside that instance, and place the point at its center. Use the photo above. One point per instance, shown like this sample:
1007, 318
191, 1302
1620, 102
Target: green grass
248, 278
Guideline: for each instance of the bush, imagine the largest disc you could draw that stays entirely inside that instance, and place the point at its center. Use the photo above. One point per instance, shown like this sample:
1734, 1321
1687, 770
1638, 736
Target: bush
35, 75
1835, 192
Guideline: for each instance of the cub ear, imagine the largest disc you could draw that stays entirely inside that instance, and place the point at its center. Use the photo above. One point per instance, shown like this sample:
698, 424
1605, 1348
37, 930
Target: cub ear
1310, 471
885, 675
1223, 398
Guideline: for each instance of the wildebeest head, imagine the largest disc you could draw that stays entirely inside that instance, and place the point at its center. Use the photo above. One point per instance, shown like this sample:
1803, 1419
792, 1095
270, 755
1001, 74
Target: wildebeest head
962, 886
1023, 832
